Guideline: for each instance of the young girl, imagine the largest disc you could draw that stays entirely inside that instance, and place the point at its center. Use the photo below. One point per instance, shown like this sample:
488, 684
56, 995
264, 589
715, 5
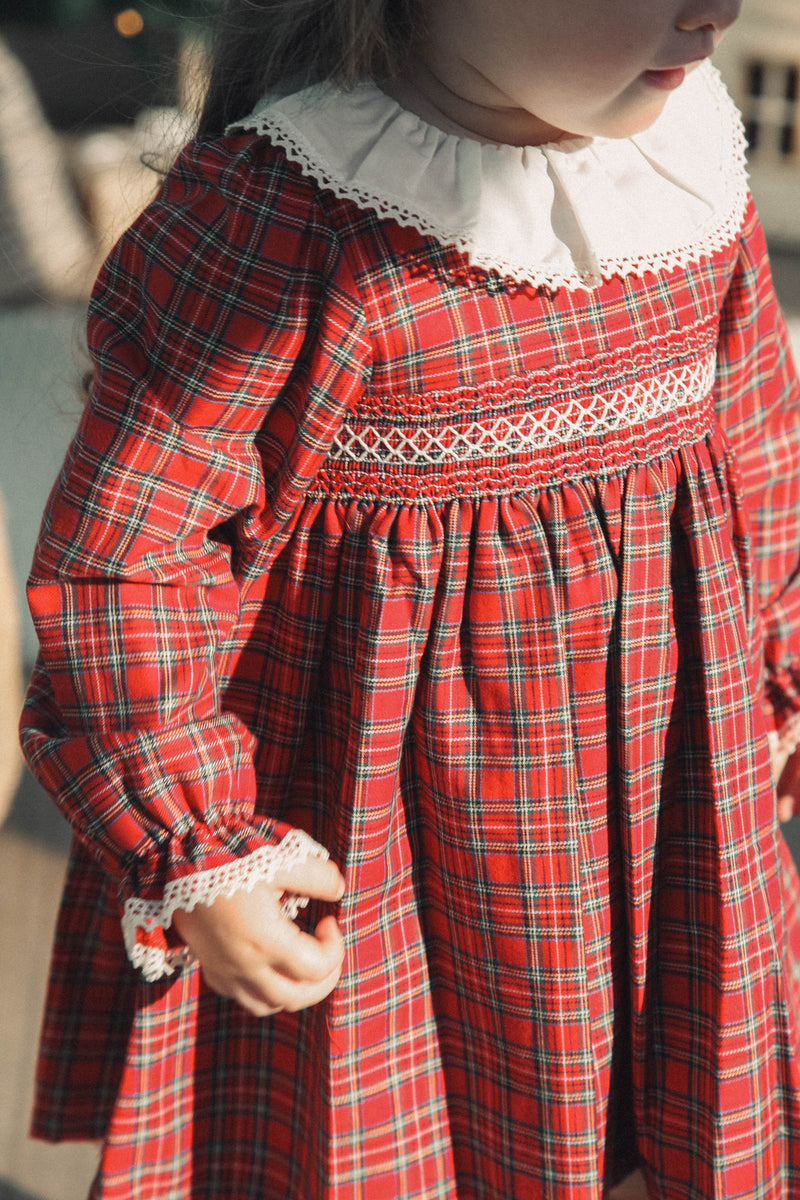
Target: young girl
438, 504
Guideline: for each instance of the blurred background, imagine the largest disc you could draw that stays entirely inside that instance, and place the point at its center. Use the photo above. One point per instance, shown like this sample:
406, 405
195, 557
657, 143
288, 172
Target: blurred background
96, 98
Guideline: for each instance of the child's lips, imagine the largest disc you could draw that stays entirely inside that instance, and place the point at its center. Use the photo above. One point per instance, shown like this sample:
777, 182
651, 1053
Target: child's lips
666, 80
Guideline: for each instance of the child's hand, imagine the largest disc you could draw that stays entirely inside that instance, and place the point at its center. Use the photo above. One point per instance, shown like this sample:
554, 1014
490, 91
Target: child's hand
248, 950
788, 787
786, 773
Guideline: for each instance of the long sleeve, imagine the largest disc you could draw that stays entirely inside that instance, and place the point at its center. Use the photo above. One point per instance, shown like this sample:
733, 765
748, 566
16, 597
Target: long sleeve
758, 401
227, 343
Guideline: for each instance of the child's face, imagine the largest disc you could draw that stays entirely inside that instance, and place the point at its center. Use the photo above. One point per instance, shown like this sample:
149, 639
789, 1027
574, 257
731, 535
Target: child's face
590, 67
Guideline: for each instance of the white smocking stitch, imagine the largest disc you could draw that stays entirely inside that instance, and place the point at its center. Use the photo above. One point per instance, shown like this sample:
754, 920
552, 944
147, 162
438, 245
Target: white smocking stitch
594, 415
204, 887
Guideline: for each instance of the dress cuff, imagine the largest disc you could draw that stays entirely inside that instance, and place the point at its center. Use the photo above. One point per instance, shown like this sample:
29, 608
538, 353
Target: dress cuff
145, 923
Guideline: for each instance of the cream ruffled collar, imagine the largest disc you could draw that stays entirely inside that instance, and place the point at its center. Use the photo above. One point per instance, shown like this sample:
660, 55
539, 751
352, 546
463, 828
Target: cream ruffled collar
566, 214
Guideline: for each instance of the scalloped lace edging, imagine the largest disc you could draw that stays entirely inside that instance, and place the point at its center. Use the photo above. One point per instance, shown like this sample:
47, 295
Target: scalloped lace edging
204, 887
583, 273
304, 155
584, 277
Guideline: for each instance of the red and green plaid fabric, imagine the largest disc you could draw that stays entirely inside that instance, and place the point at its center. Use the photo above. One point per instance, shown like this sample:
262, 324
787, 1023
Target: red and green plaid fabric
470, 581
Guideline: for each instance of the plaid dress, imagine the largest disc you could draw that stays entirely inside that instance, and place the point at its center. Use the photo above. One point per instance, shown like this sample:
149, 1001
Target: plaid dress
490, 589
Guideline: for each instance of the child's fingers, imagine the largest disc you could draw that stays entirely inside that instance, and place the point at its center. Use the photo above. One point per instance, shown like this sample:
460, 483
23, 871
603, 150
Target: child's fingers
778, 760
785, 808
315, 877
280, 994
249, 951
268, 989
273, 995
788, 786
305, 957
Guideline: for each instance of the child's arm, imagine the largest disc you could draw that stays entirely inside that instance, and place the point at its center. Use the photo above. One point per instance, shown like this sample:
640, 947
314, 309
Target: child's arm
758, 402
227, 343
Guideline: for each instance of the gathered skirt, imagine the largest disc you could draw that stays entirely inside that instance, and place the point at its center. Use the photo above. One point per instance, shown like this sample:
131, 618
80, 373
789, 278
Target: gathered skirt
537, 755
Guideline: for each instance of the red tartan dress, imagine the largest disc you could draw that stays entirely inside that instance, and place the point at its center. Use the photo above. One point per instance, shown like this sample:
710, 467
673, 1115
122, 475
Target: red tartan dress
441, 501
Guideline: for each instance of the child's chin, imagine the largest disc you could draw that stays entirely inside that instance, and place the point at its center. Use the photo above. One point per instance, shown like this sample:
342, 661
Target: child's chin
631, 123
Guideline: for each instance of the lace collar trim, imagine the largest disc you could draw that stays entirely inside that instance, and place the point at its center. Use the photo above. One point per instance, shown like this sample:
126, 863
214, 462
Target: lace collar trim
566, 214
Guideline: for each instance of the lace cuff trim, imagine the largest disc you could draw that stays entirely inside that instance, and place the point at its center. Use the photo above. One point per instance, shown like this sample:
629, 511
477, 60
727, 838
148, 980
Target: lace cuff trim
660, 200
145, 917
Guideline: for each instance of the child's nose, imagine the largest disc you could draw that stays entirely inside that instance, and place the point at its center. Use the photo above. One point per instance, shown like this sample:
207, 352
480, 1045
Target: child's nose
715, 16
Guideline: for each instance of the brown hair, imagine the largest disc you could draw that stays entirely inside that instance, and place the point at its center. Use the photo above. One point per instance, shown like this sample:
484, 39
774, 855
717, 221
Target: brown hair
263, 44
